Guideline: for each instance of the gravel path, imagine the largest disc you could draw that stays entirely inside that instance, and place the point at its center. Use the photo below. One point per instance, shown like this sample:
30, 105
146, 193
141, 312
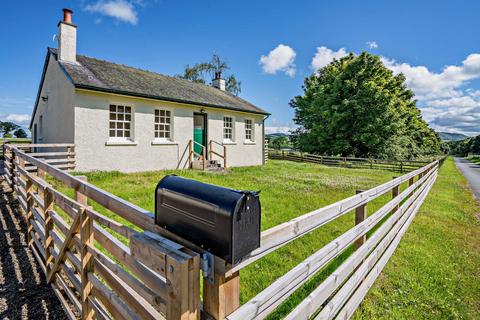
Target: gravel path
471, 171
24, 293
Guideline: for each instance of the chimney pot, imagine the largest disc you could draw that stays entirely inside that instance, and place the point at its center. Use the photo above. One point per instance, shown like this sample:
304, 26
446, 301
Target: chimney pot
67, 15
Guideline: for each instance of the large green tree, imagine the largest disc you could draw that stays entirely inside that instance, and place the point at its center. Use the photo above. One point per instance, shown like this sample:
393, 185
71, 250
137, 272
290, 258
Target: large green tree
356, 106
7, 127
205, 71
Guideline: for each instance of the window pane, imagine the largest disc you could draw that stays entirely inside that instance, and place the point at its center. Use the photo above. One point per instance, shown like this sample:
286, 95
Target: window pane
127, 125
120, 108
119, 133
127, 134
112, 133
112, 108
112, 116
112, 125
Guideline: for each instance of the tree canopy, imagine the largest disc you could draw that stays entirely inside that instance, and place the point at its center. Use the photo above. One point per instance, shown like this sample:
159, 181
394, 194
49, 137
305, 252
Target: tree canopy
355, 106
205, 71
466, 146
7, 127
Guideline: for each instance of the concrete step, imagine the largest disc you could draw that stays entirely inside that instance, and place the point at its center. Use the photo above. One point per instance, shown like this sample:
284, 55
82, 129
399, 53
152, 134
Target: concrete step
210, 165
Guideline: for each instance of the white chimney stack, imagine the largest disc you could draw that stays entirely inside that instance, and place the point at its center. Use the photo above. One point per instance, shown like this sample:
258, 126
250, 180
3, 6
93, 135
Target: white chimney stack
219, 82
67, 38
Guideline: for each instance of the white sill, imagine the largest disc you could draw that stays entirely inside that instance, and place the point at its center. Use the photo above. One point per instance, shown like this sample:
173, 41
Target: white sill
249, 142
163, 142
121, 143
229, 142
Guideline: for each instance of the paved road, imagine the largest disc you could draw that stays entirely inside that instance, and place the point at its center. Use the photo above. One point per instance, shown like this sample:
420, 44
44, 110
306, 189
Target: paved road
471, 171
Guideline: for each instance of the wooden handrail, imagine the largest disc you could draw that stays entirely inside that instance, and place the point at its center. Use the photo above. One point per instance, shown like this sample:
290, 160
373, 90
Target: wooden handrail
222, 156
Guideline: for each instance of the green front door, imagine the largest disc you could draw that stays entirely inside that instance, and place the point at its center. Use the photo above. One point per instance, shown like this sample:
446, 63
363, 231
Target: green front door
198, 138
199, 132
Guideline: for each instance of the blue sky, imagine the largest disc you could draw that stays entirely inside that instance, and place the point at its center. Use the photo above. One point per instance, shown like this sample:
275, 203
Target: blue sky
271, 46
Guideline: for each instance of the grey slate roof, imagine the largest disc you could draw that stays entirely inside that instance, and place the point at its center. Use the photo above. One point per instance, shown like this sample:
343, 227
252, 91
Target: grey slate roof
106, 76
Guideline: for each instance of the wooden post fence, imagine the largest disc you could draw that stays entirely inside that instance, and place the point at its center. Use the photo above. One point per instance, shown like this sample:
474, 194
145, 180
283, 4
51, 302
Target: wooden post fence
150, 273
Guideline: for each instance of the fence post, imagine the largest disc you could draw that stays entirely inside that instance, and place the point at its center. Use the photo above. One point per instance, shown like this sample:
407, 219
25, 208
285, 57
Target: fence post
28, 200
360, 216
411, 181
86, 239
204, 156
210, 154
12, 170
223, 296
225, 157
190, 154
395, 192
69, 157
47, 207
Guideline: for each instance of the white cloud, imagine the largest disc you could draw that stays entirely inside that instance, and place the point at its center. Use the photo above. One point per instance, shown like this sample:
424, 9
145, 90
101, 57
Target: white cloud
279, 59
372, 44
445, 84
20, 119
122, 10
324, 56
444, 101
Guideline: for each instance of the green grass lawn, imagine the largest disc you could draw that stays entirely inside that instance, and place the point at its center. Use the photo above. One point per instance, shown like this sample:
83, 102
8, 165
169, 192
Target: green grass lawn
436, 264
288, 189
15, 140
435, 272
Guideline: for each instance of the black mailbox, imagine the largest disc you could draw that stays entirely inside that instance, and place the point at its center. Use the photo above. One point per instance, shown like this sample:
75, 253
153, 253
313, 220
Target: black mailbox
223, 221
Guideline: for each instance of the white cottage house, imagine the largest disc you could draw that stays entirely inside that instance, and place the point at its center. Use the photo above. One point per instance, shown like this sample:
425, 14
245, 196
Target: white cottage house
127, 119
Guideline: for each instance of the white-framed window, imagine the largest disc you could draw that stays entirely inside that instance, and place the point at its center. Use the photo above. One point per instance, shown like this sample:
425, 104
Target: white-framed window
249, 130
163, 124
228, 129
120, 123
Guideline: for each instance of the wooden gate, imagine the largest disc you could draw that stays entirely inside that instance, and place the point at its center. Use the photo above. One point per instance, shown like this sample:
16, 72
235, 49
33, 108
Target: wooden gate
98, 267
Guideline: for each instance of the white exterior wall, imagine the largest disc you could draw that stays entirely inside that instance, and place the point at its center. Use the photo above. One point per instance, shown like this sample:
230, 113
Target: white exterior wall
57, 111
94, 152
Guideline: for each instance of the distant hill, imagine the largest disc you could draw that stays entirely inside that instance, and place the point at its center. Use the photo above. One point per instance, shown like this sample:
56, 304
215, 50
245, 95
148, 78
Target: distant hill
445, 136
275, 135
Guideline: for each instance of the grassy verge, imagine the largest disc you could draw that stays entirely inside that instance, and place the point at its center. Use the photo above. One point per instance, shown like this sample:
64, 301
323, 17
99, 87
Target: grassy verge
474, 159
435, 272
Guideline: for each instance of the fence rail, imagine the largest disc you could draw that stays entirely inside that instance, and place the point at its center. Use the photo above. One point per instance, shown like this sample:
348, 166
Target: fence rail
349, 162
100, 268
